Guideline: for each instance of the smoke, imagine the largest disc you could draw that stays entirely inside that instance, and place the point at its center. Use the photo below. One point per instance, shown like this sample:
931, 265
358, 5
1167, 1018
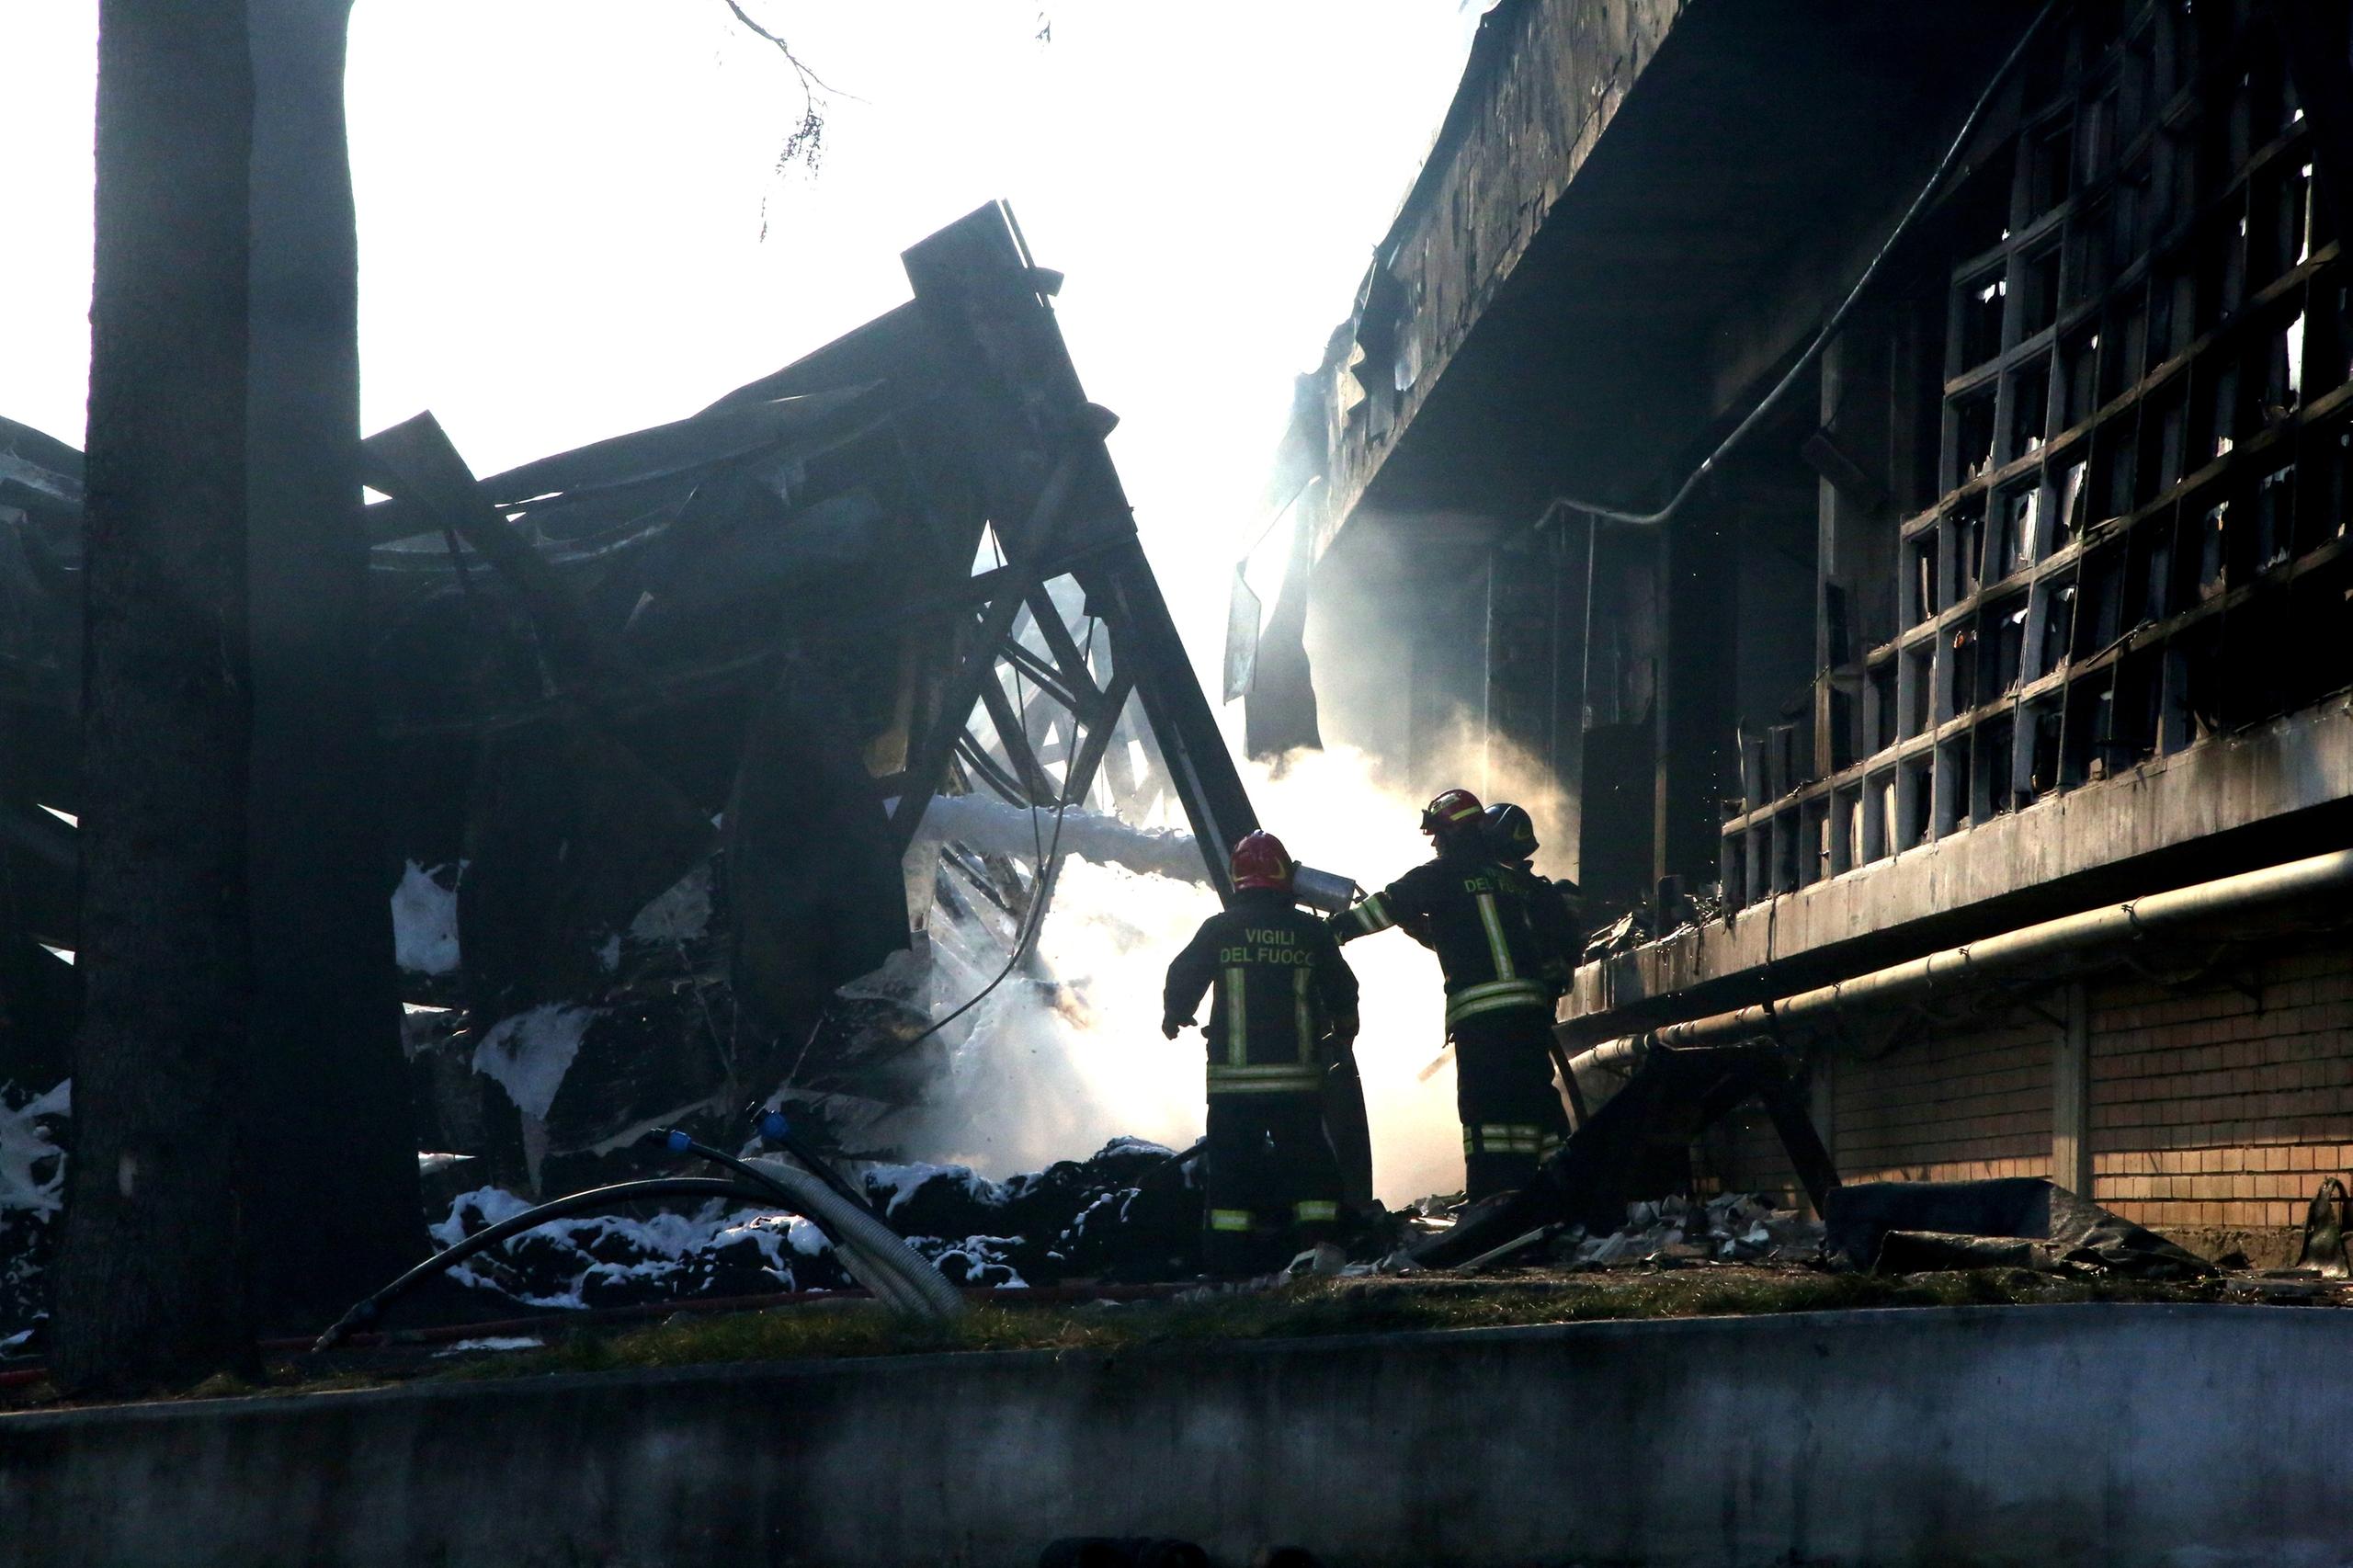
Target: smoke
1044, 1070
1040, 1072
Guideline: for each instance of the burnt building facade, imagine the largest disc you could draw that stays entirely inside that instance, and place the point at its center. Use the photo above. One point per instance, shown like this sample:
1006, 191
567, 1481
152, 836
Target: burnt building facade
2023, 595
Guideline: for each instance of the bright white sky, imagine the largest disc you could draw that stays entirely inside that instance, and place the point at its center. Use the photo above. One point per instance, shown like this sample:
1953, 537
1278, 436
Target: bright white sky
561, 206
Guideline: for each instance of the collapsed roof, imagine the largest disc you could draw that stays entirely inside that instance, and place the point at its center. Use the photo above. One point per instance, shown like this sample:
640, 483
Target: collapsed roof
676, 703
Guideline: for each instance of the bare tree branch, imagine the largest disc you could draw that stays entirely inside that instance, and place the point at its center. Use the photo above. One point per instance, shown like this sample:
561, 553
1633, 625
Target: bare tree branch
805, 143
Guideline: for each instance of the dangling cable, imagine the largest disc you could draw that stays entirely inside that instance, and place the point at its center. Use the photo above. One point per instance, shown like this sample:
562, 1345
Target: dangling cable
1838, 318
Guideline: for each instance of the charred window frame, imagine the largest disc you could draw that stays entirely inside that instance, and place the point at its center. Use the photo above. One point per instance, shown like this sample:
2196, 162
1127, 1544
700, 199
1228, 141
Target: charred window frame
2139, 434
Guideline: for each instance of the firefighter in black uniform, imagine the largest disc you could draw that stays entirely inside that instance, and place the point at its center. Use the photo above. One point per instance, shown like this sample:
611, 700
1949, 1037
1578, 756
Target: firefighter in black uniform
1282, 988
1500, 992
1552, 902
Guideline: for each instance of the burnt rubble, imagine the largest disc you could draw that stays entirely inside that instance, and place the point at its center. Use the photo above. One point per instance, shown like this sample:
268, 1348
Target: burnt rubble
662, 718
1129, 1213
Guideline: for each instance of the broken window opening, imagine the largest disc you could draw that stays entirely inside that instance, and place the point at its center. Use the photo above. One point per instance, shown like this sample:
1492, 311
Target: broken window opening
2280, 238
2058, 625
2273, 378
1881, 717
1960, 675
2049, 167
2213, 549
2162, 447
2119, 367
2328, 467
1845, 833
2148, 566
2082, 760
2069, 514
2101, 607
1918, 689
1878, 817
2029, 408
2091, 247
2221, 269
1951, 794
2039, 291
1815, 854
2004, 667
2042, 759
2116, 455
1978, 330
1916, 804
1965, 547
2017, 512
1992, 757
2079, 379
2275, 518
1920, 577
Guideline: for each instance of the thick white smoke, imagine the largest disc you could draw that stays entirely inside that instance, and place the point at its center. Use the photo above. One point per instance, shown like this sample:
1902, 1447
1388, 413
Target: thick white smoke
1042, 1073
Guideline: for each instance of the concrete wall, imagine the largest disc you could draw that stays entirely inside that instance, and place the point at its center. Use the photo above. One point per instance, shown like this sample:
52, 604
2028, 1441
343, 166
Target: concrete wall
2100, 1434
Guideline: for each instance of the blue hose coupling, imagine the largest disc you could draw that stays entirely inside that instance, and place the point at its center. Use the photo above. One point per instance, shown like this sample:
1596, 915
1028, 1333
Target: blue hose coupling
677, 1142
774, 1127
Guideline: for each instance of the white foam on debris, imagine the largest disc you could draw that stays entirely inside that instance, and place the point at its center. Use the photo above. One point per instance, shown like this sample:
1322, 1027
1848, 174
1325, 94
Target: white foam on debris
901, 1180
528, 1054
425, 922
661, 1246
23, 1145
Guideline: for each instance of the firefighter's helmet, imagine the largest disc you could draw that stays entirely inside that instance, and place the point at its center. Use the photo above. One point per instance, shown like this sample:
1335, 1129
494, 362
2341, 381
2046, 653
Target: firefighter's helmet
1510, 834
1454, 812
1261, 861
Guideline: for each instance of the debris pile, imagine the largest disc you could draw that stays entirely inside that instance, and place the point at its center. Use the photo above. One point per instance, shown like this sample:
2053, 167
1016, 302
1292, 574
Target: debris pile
1130, 1213
1733, 1227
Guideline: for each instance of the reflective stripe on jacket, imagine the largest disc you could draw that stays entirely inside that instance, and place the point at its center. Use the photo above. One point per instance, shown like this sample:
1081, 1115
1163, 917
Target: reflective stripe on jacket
1279, 983
1481, 923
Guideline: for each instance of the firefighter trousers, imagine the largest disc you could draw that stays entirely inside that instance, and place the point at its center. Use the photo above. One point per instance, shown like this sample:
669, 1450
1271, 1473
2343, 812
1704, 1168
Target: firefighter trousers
1274, 1183
1512, 1119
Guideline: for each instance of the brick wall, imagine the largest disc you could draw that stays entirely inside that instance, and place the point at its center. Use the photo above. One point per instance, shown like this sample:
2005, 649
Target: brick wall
1953, 1106
2211, 1107
2217, 1101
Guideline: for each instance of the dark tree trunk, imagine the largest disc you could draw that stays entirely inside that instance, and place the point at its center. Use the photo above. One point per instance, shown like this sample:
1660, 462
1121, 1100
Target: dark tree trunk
332, 1161
152, 1282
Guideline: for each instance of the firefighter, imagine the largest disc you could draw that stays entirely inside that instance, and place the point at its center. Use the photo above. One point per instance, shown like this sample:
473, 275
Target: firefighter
1282, 988
1499, 994
1552, 903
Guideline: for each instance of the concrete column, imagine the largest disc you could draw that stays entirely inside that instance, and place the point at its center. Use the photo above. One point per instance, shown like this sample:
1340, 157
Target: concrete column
2071, 1095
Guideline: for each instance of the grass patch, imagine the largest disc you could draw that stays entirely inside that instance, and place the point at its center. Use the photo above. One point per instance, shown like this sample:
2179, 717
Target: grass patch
1306, 1310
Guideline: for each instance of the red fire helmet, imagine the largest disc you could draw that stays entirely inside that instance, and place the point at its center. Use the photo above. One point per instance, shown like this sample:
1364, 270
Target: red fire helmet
1261, 861
1451, 812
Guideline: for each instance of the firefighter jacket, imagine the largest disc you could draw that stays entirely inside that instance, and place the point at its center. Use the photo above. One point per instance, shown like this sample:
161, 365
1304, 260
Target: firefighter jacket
1479, 918
1552, 919
1280, 984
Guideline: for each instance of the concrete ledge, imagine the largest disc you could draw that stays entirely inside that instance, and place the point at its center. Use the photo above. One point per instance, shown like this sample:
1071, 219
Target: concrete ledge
2096, 1433
2014, 869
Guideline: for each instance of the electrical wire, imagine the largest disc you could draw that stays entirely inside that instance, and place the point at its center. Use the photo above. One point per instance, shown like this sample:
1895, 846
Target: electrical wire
1781, 388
